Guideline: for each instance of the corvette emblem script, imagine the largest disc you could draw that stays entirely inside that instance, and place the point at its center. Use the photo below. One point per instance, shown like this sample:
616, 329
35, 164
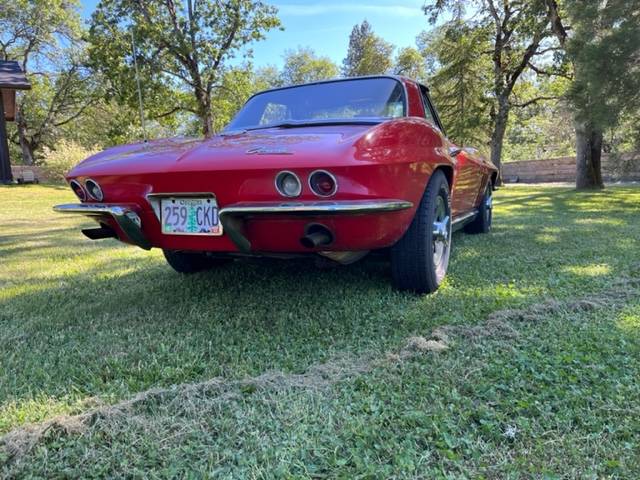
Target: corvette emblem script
268, 151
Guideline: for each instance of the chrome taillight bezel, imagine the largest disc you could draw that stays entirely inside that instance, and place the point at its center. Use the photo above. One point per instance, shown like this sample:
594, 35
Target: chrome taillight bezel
330, 175
95, 190
278, 182
80, 188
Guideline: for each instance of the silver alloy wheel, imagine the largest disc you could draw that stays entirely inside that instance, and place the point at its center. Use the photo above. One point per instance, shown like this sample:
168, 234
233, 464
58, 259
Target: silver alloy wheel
488, 204
441, 235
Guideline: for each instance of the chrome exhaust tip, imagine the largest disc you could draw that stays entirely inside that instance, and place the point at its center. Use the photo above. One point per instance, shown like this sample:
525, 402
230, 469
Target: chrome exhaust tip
316, 235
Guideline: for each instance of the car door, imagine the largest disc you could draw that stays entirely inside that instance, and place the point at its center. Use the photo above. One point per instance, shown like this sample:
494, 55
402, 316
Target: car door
469, 178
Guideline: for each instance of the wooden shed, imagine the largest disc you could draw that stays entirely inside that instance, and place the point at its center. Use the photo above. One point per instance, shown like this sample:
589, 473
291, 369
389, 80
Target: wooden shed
12, 78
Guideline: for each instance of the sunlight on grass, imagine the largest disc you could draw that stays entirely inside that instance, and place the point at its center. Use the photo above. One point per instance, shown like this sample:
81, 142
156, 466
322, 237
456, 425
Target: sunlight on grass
41, 408
629, 320
592, 270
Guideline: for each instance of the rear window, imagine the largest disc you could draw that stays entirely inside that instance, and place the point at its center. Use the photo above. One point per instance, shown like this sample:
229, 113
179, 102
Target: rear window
358, 99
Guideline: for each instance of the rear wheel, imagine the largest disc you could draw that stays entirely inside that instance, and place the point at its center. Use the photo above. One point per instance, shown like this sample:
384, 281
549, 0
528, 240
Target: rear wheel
420, 259
482, 223
191, 262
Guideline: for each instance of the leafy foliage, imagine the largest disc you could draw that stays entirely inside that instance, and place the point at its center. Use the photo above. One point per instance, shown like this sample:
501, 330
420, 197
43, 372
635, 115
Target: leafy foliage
63, 157
604, 46
460, 79
410, 63
45, 37
517, 31
368, 54
179, 49
304, 66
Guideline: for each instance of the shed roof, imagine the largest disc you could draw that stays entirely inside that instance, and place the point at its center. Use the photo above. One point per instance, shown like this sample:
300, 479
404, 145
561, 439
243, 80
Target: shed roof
12, 76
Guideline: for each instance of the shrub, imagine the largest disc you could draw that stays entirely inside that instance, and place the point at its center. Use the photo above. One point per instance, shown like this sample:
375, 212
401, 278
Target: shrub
66, 154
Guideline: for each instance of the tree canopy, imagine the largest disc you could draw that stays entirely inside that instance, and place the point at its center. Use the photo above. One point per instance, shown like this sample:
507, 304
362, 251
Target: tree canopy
304, 66
181, 47
367, 54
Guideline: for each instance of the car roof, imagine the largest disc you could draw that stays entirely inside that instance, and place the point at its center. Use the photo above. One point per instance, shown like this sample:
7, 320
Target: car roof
398, 78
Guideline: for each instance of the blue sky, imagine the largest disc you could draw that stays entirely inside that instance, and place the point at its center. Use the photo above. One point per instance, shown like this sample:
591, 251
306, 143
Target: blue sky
325, 25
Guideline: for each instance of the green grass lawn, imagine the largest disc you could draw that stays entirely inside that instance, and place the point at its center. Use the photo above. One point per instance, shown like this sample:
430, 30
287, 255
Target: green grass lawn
268, 369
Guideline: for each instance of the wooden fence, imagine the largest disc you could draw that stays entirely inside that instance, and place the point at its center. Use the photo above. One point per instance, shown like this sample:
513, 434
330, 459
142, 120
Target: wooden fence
563, 169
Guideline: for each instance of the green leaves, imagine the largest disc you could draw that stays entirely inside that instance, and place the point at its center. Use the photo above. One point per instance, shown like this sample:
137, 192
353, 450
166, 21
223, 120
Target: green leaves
368, 54
181, 48
304, 66
460, 80
604, 46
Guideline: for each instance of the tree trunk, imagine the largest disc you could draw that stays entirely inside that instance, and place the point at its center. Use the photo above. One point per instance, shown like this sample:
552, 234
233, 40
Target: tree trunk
497, 136
5, 162
588, 156
207, 122
25, 145
204, 111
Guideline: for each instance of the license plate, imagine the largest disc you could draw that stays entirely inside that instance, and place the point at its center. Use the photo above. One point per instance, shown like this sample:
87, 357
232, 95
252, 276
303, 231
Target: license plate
190, 216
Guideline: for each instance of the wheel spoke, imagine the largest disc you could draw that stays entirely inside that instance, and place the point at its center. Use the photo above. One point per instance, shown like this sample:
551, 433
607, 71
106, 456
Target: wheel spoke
441, 230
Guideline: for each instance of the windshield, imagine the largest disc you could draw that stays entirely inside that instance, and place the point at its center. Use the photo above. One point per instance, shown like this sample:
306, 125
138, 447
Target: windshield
347, 101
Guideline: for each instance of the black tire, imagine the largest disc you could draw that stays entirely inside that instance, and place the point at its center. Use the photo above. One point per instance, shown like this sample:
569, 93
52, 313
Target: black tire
420, 258
191, 262
482, 223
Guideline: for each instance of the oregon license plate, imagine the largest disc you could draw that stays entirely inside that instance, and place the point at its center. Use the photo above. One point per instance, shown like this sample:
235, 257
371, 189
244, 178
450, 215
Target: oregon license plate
190, 216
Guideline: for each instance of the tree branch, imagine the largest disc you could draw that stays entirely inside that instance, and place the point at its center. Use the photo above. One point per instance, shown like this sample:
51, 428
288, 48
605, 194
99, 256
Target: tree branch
535, 100
547, 73
556, 22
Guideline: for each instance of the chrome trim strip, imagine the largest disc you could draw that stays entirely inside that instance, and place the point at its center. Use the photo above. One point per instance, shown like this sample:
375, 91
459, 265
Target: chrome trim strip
181, 194
345, 207
461, 221
124, 216
231, 215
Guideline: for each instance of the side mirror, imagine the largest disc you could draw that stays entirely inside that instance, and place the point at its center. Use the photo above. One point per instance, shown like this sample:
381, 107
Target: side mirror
454, 151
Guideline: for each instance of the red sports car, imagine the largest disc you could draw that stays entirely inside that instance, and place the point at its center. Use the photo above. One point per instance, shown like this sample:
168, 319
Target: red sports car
337, 168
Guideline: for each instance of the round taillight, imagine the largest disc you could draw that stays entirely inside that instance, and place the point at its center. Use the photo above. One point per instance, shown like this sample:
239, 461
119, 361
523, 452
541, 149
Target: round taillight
94, 190
322, 183
288, 184
78, 190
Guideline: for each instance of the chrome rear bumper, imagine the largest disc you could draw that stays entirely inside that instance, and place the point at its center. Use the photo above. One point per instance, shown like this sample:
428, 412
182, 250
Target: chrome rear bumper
125, 217
231, 216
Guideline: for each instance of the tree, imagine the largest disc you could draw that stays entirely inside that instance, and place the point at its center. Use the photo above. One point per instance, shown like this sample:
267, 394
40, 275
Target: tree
368, 54
44, 36
460, 79
518, 29
184, 48
267, 77
304, 66
602, 42
410, 63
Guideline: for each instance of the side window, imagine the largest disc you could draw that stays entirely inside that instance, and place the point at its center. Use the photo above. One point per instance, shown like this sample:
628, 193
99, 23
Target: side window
428, 112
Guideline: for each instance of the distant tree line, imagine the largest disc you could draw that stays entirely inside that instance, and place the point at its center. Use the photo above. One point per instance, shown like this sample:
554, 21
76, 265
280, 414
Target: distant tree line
517, 78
